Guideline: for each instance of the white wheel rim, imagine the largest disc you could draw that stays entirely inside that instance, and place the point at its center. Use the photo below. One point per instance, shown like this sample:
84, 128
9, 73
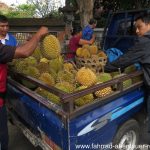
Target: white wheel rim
128, 141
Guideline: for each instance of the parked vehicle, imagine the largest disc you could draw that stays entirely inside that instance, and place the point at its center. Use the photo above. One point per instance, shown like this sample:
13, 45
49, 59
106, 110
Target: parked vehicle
105, 123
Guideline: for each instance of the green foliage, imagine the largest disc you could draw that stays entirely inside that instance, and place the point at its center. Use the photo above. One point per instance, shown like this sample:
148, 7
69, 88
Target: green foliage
54, 14
45, 8
33, 8
21, 11
72, 2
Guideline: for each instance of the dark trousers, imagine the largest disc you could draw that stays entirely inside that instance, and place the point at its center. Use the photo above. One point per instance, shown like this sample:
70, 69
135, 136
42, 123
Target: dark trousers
3, 129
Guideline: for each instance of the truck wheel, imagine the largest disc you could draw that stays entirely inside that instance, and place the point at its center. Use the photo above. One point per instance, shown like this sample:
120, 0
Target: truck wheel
127, 136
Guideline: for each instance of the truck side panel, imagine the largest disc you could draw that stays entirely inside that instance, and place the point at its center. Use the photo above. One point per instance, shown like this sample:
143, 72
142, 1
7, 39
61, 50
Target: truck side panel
37, 117
100, 125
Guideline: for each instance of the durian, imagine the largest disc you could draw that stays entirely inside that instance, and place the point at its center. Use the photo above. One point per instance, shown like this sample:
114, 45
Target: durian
113, 74
37, 54
93, 49
43, 67
53, 73
56, 64
70, 87
103, 77
86, 46
79, 51
65, 75
102, 54
68, 66
64, 86
31, 61
86, 77
103, 92
47, 78
126, 83
33, 72
84, 99
42, 92
50, 47
20, 65
44, 60
130, 69
85, 53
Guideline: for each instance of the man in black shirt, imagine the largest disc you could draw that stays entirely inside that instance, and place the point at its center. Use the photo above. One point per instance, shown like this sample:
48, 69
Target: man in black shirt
7, 53
140, 53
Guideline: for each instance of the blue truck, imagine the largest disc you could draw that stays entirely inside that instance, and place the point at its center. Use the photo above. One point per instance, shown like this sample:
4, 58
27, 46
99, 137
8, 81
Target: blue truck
111, 122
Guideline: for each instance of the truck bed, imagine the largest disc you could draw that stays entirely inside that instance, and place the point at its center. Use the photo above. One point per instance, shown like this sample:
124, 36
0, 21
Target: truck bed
43, 119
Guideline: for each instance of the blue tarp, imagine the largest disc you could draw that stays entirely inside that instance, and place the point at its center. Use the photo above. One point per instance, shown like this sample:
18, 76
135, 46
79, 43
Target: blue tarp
113, 54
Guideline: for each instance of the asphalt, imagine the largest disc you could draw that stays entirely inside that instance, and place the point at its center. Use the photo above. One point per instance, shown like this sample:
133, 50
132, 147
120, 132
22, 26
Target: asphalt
17, 141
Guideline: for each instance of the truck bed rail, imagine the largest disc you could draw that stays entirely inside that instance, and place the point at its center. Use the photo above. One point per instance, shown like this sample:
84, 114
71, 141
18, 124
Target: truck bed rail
68, 108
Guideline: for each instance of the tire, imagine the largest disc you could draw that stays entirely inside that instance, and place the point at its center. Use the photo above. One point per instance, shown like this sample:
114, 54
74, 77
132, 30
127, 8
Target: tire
127, 136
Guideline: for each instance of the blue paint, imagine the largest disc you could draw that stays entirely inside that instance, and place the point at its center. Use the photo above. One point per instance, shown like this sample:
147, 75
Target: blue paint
126, 109
66, 137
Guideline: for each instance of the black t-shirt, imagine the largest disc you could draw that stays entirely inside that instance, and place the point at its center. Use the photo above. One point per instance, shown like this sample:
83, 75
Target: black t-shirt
6, 53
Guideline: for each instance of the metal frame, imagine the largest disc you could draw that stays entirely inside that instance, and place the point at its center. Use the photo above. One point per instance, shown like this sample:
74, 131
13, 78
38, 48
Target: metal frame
68, 109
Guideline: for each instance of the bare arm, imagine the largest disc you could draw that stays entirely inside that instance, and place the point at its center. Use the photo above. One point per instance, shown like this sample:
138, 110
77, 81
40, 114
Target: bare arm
28, 48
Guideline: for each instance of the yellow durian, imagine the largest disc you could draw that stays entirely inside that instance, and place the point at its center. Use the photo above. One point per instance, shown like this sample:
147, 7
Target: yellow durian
86, 46
68, 66
102, 54
50, 47
103, 92
86, 77
93, 49
47, 78
85, 53
79, 51
44, 60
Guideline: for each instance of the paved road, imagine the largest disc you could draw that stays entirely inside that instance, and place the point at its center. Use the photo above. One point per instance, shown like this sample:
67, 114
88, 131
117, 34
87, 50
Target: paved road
19, 142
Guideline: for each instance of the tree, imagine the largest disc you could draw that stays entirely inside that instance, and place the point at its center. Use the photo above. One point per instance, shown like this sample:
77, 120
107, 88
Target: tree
45, 7
86, 10
116, 5
100, 8
21, 11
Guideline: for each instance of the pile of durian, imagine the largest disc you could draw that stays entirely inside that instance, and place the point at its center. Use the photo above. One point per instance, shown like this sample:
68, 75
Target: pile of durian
90, 56
89, 51
47, 65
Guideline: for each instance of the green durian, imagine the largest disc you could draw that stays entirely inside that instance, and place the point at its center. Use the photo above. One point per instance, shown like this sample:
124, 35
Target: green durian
84, 99
47, 78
